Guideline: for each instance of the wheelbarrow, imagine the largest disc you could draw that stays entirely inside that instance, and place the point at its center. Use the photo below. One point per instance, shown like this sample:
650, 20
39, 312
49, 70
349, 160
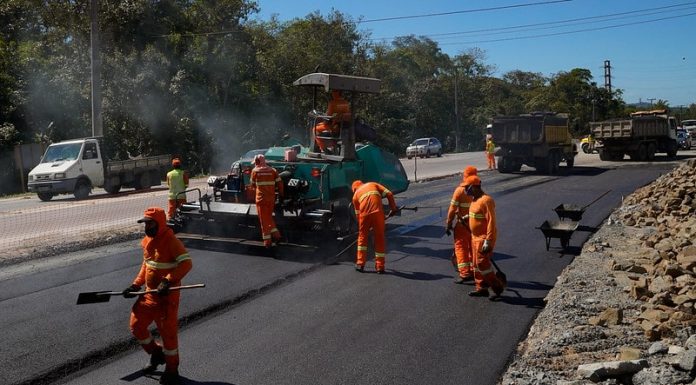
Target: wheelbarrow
574, 212
562, 230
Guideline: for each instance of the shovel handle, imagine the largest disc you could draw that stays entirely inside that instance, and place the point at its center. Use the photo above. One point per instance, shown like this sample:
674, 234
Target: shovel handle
194, 286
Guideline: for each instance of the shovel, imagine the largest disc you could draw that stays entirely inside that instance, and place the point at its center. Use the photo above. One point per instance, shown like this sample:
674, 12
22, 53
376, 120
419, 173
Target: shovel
105, 296
498, 273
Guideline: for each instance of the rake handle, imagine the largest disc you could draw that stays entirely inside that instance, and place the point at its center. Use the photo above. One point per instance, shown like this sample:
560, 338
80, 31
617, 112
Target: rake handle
194, 286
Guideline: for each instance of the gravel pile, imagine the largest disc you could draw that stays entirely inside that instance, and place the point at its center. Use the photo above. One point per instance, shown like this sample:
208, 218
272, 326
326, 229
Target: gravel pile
623, 311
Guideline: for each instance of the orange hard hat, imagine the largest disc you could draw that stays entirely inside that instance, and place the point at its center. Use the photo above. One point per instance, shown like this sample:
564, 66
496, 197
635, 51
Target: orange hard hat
176, 162
152, 214
472, 180
470, 170
356, 185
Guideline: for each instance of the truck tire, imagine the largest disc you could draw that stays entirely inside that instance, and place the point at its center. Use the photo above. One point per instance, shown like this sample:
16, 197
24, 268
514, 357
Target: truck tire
603, 154
586, 148
642, 152
651, 151
45, 196
672, 148
143, 182
112, 189
504, 164
570, 161
82, 190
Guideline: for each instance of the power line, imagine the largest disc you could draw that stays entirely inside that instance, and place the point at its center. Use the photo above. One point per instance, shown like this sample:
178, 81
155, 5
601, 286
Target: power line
460, 12
569, 22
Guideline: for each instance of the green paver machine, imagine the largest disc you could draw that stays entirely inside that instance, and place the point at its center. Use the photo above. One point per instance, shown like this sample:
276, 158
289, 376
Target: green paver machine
317, 184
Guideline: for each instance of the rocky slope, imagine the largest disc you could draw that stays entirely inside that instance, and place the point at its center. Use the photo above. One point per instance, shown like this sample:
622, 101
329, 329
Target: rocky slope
623, 312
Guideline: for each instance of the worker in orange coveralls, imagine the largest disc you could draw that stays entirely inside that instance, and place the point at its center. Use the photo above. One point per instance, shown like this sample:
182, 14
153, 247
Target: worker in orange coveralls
490, 152
177, 181
483, 236
325, 131
459, 214
165, 263
265, 179
367, 201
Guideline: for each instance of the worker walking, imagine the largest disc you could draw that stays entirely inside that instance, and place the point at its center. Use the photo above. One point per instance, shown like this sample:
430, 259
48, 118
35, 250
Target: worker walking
177, 181
367, 201
483, 236
458, 220
165, 263
490, 152
265, 180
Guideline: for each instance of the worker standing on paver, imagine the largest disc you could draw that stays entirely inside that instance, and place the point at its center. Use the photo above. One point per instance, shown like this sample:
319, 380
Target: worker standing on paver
265, 180
483, 236
458, 220
165, 263
177, 181
367, 201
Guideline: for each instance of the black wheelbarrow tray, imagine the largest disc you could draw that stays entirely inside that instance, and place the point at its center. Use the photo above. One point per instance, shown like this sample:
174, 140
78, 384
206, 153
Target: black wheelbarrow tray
572, 212
562, 230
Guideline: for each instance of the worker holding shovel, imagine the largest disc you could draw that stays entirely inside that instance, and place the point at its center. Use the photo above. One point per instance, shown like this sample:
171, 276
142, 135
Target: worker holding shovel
457, 220
165, 263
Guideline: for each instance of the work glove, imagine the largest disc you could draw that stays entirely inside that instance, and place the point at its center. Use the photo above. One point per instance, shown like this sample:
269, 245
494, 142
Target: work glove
128, 292
448, 229
486, 246
163, 288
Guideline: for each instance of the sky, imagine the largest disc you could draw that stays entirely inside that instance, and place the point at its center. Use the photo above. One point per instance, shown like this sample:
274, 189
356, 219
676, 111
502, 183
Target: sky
650, 45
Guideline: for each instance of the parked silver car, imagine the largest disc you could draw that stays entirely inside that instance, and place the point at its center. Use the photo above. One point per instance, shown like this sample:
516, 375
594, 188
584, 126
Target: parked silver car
424, 147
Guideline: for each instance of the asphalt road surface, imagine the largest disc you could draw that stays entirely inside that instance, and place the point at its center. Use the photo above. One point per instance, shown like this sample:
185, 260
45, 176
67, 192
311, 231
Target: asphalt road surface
297, 318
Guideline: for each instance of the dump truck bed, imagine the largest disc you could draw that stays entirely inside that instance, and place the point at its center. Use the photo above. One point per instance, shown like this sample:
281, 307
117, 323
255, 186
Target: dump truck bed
550, 130
637, 127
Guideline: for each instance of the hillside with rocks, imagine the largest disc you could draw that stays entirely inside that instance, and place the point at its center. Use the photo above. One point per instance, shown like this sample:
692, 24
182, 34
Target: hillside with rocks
623, 311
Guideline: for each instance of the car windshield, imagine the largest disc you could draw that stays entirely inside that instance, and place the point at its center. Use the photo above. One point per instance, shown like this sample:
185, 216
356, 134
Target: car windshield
420, 142
681, 134
58, 152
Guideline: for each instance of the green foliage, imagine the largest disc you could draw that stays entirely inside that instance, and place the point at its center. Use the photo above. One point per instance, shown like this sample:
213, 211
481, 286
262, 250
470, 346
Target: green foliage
199, 80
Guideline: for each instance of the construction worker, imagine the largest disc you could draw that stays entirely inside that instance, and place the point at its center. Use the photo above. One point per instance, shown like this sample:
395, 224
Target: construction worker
367, 201
483, 237
165, 263
177, 181
490, 152
265, 180
328, 132
459, 214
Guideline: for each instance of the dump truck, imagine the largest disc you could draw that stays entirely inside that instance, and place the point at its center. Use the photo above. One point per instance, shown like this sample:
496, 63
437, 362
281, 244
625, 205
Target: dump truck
640, 137
538, 139
77, 166
317, 185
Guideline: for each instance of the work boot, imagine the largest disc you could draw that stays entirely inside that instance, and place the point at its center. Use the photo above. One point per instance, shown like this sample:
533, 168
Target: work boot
380, 271
156, 359
359, 268
170, 378
479, 293
461, 280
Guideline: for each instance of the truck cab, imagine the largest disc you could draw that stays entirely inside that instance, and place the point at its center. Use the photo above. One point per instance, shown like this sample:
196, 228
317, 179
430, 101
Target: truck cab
71, 166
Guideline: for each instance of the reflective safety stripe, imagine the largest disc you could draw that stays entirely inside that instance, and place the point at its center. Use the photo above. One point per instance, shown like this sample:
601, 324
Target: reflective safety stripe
484, 272
367, 194
167, 265
385, 193
379, 255
465, 264
266, 236
476, 216
278, 179
145, 341
269, 183
161, 265
460, 204
362, 248
357, 212
172, 352
274, 230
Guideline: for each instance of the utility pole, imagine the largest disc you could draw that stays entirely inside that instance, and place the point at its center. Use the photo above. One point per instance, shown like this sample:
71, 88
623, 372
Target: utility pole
651, 101
607, 75
95, 72
456, 111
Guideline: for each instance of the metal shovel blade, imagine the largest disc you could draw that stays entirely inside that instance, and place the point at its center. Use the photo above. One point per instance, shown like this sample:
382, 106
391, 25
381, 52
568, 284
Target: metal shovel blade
95, 297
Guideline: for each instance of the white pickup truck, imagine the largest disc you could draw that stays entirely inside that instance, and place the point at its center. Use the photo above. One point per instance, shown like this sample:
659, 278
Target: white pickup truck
79, 165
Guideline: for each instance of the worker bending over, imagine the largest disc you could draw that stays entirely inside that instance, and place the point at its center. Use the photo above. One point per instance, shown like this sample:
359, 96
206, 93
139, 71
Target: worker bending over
265, 180
458, 220
367, 201
165, 263
483, 236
